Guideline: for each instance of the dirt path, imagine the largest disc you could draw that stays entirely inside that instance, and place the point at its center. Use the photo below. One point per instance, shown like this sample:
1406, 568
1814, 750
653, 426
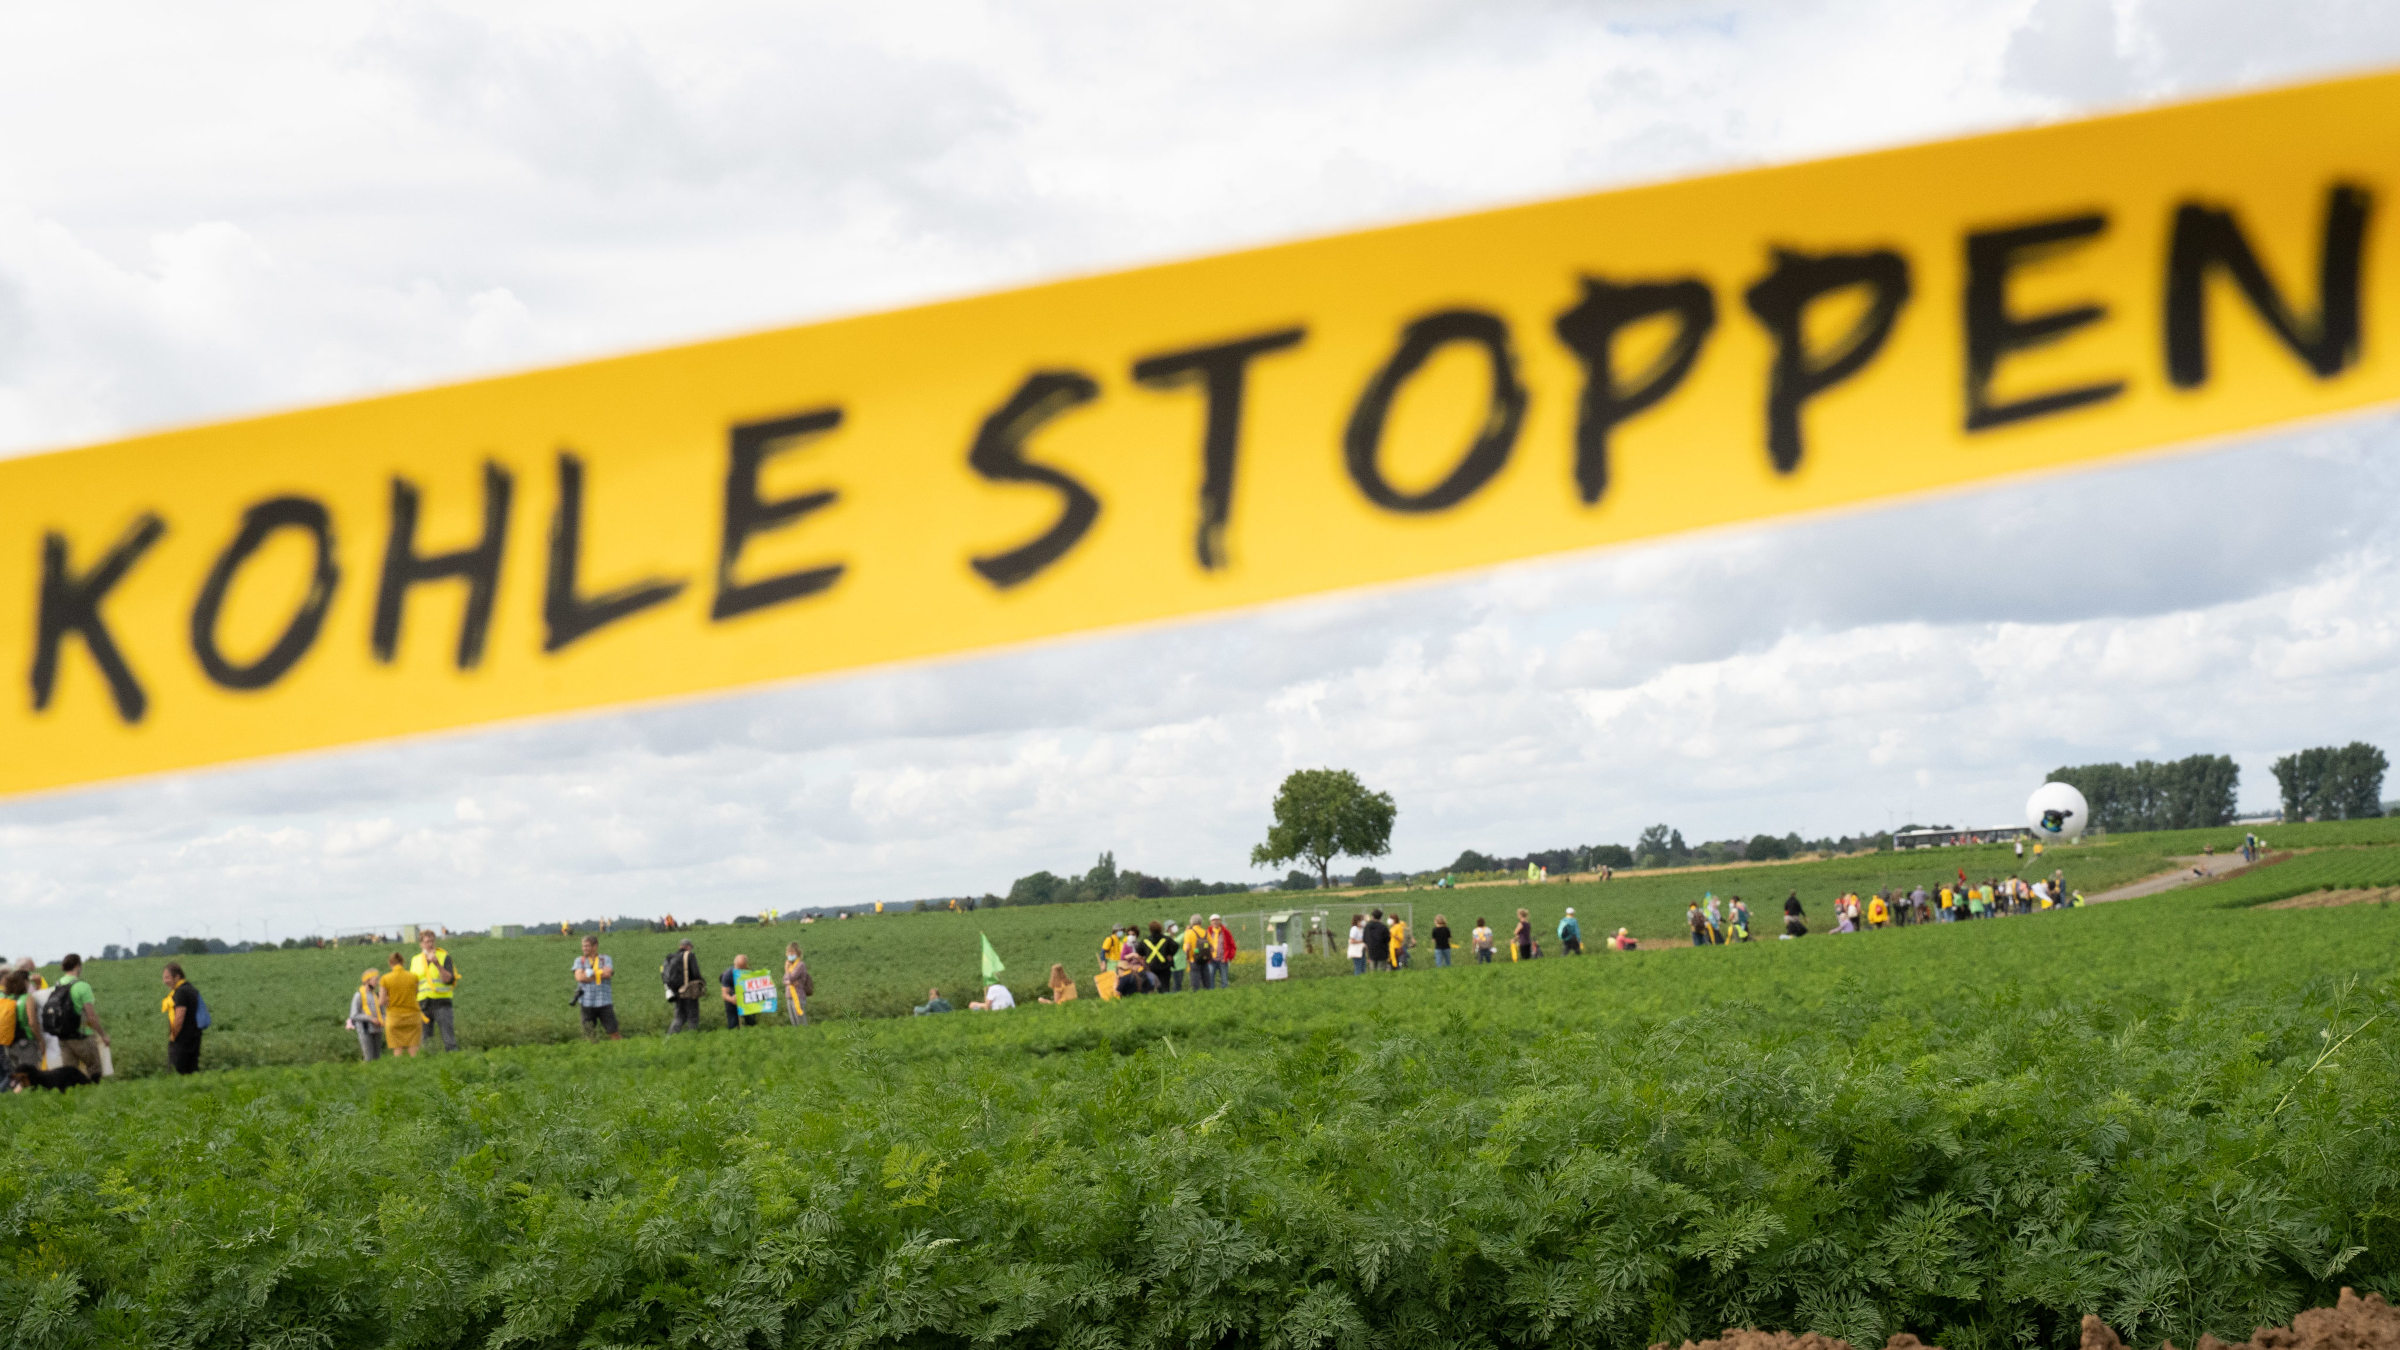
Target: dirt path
2207, 867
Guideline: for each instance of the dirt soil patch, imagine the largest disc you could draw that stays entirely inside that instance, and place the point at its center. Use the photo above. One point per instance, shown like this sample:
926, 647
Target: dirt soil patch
2353, 1323
2327, 899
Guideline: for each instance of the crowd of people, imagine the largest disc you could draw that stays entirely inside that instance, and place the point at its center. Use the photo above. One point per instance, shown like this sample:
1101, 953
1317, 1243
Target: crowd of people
1994, 898
36, 1014
394, 1010
407, 1007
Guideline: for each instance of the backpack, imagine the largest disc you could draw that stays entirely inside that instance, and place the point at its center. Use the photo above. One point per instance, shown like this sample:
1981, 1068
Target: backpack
200, 1017
59, 1015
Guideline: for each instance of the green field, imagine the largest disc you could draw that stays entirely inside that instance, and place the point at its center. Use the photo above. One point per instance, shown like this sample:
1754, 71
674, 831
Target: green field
286, 1007
2167, 1111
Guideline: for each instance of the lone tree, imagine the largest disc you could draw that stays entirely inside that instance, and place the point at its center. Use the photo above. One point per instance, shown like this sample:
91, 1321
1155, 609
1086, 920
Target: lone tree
1323, 814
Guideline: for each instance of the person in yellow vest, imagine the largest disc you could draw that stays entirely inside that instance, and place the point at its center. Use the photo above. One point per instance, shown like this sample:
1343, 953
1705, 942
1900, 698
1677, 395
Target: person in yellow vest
1878, 913
1399, 942
437, 982
1111, 947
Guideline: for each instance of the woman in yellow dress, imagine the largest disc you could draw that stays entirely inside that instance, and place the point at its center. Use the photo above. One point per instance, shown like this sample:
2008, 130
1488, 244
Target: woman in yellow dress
403, 1024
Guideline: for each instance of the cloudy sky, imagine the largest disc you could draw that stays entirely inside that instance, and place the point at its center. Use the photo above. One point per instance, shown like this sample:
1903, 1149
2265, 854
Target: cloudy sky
207, 213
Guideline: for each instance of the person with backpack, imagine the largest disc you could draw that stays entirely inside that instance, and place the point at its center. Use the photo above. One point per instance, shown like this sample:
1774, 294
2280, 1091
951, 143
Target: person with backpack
71, 1015
1570, 934
187, 1017
684, 985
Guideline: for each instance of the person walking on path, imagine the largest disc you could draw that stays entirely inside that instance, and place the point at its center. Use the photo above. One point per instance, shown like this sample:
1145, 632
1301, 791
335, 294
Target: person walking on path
71, 1015
437, 981
1482, 938
681, 974
729, 988
1570, 934
184, 1019
798, 988
366, 1016
1699, 923
1520, 943
1441, 941
403, 1023
595, 991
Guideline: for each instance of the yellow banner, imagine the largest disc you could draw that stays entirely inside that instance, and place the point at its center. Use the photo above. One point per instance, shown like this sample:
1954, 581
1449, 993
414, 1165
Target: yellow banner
1201, 436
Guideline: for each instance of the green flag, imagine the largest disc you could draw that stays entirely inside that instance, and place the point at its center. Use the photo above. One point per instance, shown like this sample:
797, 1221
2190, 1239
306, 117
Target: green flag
991, 961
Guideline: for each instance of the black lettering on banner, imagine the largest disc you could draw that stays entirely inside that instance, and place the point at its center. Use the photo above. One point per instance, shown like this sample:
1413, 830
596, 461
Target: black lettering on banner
1781, 300
259, 523
2208, 237
567, 614
999, 455
71, 604
478, 566
1362, 442
748, 446
1590, 331
1993, 332
1220, 372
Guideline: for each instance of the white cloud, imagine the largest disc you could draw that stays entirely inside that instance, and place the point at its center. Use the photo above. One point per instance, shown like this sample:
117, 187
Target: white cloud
301, 202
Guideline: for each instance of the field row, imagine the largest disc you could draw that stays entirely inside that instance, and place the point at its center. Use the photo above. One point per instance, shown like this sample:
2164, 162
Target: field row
1974, 1132
286, 1007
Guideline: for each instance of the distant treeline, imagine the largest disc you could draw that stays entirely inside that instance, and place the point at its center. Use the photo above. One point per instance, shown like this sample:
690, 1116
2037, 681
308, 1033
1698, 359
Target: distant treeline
2197, 791
2191, 793
1104, 882
1664, 846
2330, 783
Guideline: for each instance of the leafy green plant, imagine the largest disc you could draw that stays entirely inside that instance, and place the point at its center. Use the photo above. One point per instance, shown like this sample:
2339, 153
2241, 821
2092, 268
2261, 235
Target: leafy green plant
2171, 1114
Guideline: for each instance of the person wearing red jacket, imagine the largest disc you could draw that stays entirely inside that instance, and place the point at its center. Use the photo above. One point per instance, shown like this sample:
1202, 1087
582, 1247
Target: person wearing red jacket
1225, 949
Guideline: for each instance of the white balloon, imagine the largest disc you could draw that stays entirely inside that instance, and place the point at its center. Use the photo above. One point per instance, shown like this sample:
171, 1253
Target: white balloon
2057, 812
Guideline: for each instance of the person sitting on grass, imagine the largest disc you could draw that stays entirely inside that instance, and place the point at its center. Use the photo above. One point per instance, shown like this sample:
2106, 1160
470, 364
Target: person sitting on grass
1132, 976
1795, 919
934, 1003
996, 998
1062, 989
1623, 941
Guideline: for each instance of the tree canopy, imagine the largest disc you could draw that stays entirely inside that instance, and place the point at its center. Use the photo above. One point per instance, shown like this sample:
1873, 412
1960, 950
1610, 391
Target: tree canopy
1323, 814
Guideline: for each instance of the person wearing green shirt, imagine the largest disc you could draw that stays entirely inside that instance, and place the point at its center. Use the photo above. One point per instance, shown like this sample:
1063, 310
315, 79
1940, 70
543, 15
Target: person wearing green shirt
83, 1048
